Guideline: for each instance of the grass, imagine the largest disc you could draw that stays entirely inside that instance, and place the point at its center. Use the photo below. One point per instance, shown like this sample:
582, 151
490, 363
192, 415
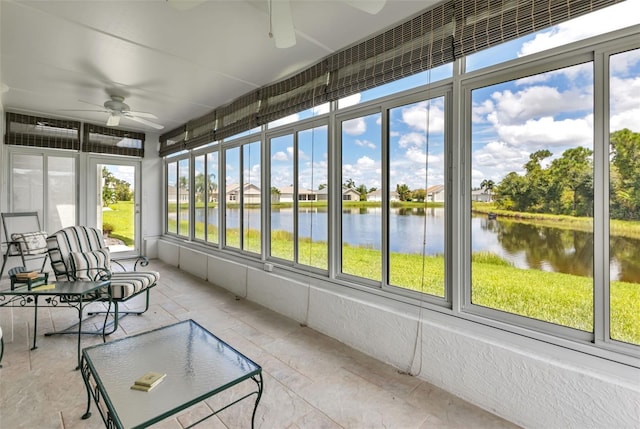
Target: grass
121, 218
558, 298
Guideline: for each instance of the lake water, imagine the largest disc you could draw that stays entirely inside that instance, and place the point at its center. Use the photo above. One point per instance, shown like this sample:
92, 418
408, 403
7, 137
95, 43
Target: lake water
524, 245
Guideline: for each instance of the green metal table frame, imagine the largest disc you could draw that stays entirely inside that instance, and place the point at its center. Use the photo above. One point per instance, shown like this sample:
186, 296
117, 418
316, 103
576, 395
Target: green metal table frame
75, 294
197, 364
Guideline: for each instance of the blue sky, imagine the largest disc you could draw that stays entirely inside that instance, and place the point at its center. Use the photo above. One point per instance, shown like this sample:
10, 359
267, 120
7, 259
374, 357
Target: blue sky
551, 111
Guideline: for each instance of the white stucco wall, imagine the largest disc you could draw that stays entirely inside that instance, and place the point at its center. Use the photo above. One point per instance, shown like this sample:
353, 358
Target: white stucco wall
151, 194
529, 382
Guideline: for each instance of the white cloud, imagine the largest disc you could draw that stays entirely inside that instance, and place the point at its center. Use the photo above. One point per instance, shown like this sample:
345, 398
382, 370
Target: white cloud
354, 127
547, 133
365, 171
286, 120
622, 63
608, 19
322, 109
279, 156
625, 94
281, 176
423, 116
412, 139
365, 162
252, 174
495, 160
413, 174
479, 110
365, 143
627, 119
536, 101
351, 100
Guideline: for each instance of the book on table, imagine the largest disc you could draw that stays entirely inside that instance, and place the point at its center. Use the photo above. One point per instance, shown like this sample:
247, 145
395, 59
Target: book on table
148, 381
26, 275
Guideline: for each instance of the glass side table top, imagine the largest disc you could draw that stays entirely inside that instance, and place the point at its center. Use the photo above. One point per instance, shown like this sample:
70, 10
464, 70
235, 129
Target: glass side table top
57, 288
197, 363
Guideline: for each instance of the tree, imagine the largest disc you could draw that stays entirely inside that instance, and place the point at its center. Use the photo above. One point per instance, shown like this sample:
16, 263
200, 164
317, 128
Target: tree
212, 187
183, 183
350, 184
362, 190
200, 187
572, 180
404, 193
122, 191
625, 175
512, 193
488, 185
114, 189
108, 190
419, 195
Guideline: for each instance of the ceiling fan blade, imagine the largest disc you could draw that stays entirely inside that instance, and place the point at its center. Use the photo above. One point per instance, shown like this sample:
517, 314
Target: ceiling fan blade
140, 114
83, 110
93, 104
370, 6
184, 4
144, 121
282, 29
113, 121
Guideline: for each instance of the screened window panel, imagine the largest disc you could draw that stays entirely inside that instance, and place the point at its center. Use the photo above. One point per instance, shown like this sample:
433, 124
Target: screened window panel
36, 131
173, 141
419, 44
99, 139
298, 93
240, 115
484, 23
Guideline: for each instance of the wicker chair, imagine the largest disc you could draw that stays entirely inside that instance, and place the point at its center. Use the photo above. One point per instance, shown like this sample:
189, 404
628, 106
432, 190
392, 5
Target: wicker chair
79, 253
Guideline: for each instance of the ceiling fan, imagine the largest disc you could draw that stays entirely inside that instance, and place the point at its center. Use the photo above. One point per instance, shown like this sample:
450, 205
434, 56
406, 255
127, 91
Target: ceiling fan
281, 28
116, 108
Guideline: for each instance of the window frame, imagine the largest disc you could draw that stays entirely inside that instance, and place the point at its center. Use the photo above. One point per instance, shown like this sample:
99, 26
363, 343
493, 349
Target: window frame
457, 93
591, 50
294, 130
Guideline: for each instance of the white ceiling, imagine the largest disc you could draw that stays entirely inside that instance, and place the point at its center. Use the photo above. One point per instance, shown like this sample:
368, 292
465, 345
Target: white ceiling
176, 64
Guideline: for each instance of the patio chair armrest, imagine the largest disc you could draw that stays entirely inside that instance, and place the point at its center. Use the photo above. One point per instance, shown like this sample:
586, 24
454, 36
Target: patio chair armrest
140, 260
94, 274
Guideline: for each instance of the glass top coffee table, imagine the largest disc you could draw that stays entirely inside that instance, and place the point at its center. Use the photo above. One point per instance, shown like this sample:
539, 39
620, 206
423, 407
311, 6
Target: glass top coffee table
76, 294
197, 365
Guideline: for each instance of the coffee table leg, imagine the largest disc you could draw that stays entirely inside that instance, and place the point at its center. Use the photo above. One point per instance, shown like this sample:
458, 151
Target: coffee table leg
85, 377
258, 380
79, 330
35, 321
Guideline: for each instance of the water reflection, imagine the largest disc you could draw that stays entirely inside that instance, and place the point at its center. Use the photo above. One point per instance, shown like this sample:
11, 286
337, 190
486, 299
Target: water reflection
524, 245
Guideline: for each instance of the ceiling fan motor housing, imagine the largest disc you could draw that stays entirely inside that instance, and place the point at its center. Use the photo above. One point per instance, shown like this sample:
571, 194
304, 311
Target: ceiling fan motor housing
116, 104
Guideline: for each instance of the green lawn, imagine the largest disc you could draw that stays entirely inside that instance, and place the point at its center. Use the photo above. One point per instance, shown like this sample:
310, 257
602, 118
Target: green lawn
558, 298
120, 217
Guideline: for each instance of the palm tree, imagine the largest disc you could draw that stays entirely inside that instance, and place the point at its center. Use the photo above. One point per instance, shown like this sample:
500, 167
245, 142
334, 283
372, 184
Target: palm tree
487, 184
404, 193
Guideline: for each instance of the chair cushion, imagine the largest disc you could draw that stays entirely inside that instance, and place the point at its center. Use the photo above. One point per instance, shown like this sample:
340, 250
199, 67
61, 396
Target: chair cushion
31, 243
91, 265
126, 284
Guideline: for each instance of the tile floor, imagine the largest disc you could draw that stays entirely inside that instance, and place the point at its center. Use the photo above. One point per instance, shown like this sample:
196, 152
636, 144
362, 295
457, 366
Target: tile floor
311, 380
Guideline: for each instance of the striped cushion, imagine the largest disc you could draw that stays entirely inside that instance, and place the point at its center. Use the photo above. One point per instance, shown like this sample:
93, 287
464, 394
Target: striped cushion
91, 265
125, 284
71, 239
